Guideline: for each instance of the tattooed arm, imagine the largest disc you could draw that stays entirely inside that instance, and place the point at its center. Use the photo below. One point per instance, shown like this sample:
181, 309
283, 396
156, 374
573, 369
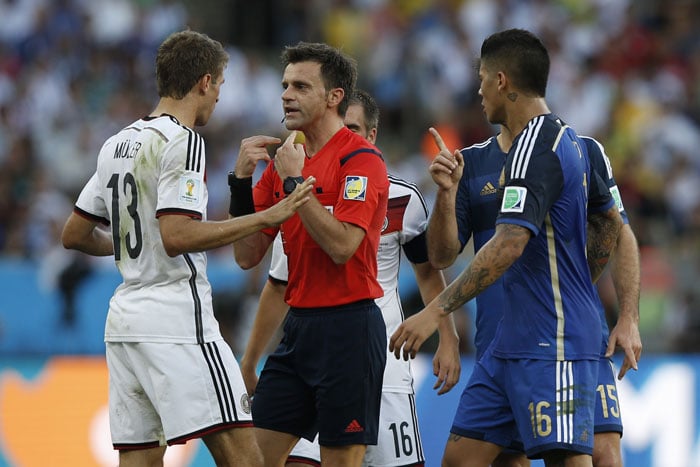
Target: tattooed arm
625, 273
492, 260
603, 230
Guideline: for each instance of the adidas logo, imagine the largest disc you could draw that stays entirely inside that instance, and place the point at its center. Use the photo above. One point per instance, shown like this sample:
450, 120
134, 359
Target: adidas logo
354, 427
488, 189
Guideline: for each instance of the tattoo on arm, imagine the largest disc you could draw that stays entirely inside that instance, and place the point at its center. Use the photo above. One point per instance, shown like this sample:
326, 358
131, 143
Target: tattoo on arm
603, 230
469, 284
453, 437
488, 265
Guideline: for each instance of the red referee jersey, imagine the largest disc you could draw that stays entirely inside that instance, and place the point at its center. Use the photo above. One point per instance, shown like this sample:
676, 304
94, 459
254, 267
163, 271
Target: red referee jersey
352, 183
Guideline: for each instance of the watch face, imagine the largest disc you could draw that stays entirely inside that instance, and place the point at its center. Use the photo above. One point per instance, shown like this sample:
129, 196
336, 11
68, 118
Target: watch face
289, 185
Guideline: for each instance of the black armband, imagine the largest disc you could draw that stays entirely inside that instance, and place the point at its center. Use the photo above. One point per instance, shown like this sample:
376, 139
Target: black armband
241, 195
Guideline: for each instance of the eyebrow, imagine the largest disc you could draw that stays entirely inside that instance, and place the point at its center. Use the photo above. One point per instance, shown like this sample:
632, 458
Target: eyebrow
296, 82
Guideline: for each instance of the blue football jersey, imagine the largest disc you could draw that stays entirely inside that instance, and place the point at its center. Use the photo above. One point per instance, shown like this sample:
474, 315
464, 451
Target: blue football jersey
477, 205
551, 309
600, 164
476, 208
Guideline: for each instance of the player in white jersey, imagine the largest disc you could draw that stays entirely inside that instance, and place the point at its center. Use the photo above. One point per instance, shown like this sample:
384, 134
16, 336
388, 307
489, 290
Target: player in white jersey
172, 377
399, 441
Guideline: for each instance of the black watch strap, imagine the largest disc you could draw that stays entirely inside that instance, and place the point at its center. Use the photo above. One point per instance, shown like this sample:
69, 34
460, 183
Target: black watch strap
290, 183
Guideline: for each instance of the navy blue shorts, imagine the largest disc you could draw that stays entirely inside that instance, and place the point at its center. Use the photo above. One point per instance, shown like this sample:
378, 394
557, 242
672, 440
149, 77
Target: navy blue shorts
544, 404
326, 375
607, 406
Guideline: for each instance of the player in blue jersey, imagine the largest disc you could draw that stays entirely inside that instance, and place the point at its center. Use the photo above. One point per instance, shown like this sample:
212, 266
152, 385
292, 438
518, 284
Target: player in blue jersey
467, 204
536, 381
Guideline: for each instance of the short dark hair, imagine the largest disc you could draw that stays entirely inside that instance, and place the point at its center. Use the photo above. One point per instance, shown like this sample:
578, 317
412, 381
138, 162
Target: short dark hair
183, 58
337, 69
523, 57
369, 106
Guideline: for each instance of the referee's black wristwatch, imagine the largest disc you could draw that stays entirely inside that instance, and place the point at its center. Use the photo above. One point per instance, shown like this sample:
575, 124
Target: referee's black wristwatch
290, 183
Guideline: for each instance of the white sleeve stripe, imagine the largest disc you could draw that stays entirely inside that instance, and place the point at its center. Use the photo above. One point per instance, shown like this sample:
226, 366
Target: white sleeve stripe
606, 159
531, 146
525, 147
518, 149
482, 144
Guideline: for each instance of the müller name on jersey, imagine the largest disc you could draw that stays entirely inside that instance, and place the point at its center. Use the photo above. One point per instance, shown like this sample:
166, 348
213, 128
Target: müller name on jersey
125, 151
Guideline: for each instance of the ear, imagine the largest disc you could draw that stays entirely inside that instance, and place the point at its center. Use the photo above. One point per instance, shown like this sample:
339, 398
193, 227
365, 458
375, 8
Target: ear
502, 80
204, 83
372, 135
335, 97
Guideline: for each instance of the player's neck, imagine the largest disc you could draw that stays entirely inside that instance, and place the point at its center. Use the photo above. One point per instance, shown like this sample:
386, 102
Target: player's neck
178, 108
318, 135
504, 139
520, 113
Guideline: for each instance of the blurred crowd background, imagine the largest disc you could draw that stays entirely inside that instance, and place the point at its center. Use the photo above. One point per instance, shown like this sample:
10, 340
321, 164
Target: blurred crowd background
627, 72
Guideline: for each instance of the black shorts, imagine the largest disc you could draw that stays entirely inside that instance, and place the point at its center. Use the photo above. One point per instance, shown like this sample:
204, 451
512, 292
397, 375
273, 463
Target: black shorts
326, 375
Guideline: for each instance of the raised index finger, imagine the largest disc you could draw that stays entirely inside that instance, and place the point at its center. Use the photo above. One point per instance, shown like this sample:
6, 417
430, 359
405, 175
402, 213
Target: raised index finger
290, 139
262, 140
438, 139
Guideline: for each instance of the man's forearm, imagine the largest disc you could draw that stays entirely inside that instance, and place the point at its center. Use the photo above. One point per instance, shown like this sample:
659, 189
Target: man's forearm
430, 283
271, 312
625, 273
490, 263
85, 235
337, 239
443, 234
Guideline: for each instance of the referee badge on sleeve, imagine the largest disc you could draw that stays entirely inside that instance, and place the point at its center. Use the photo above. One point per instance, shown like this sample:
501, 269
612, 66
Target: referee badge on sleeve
355, 188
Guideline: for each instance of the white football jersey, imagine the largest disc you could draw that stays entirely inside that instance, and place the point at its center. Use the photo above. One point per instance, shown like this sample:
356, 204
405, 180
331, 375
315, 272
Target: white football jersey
153, 167
404, 228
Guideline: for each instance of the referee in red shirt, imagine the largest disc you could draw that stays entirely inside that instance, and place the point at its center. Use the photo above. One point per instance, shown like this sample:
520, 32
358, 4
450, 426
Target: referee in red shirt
326, 375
